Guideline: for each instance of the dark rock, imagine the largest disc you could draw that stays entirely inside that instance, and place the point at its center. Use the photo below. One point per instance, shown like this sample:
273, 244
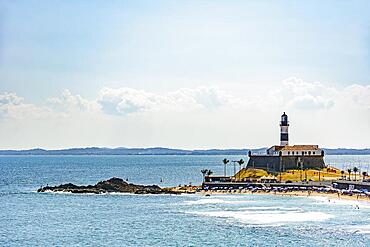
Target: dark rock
111, 185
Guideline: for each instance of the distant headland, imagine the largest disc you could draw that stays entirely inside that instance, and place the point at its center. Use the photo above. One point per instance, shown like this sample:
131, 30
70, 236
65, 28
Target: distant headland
164, 151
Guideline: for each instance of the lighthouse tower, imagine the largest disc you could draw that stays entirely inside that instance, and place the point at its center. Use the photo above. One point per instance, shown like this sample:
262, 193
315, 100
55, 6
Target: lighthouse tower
284, 130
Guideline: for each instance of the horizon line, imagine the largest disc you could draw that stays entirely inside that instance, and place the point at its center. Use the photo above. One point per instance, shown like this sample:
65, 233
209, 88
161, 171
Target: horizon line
160, 147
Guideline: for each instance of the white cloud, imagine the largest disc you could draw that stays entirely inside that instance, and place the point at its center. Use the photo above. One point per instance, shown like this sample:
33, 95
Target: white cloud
128, 100
299, 94
70, 103
358, 95
293, 93
13, 107
206, 116
10, 99
207, 97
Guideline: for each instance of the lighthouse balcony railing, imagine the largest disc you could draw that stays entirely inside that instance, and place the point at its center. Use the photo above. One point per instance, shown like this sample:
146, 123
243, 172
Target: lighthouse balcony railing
264, 154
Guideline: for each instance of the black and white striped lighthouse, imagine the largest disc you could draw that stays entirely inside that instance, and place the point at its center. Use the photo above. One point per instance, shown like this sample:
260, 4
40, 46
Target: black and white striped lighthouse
284, 130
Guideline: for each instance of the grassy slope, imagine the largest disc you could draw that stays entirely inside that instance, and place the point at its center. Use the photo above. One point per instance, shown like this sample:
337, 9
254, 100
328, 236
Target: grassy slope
292, 175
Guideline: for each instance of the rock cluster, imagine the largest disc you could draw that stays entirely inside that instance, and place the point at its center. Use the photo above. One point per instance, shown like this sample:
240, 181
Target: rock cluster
111, 185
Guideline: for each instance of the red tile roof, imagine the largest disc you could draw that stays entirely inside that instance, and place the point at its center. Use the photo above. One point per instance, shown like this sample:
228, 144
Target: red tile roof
295, 147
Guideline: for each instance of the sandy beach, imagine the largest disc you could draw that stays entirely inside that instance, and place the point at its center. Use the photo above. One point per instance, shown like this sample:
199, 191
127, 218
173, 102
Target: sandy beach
329, 196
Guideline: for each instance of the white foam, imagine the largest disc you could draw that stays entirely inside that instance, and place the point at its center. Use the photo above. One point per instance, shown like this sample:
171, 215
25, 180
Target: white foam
215, 201
117, 193
86, 194
362, 229
58, 192
271, 208
344, 202
264, 217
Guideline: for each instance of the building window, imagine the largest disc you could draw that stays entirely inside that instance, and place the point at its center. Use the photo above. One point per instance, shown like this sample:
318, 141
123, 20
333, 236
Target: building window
302, 153
313, 152
288, 153
309, 152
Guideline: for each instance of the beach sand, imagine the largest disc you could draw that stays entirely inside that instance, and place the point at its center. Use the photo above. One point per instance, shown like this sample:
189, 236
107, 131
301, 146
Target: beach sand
307, 193
336, 196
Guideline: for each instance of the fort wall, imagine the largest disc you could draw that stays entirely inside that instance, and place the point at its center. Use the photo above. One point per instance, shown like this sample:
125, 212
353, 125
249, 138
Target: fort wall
273, 163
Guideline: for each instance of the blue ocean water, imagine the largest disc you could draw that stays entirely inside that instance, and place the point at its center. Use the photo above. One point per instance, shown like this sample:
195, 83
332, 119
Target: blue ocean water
28, 218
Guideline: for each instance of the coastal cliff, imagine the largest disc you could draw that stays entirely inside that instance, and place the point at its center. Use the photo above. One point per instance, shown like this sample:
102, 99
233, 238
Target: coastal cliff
117, 185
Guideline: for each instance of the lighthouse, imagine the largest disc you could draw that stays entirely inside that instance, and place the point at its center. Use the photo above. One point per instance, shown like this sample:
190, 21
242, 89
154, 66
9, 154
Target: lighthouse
284, 156
284, 130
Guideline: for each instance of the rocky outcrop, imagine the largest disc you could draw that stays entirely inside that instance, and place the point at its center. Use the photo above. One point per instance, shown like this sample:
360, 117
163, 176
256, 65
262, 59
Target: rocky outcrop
111, 185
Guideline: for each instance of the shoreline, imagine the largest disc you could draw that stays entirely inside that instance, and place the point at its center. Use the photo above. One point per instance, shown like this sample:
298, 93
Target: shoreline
333, 196
307, 194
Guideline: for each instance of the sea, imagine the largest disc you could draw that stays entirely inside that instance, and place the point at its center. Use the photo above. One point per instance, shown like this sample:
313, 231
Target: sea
28, 218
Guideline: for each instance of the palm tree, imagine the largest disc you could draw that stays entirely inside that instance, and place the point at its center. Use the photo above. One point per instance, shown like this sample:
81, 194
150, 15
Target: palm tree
305, 174
225, 161
234, 161
209, 172
300, 165
204, 172
355, 170
349, 174
240, 162
364, 175
342, 172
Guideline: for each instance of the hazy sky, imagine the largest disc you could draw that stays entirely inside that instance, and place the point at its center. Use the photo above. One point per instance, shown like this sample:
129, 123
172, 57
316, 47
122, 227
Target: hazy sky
184, 74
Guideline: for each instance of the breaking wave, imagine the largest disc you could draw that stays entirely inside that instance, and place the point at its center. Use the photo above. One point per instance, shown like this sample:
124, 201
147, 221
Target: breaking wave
362, 229
267, 217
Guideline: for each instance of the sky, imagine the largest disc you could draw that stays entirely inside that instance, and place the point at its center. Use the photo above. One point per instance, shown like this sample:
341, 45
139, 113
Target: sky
183, 74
